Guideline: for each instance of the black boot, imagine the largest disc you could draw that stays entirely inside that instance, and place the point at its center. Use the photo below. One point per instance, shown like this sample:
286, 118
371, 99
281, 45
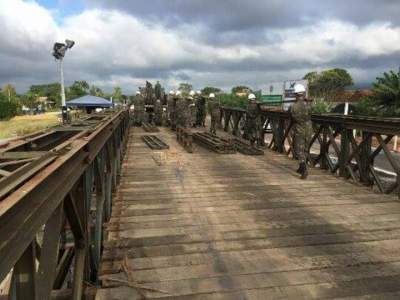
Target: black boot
299, 169
304, 171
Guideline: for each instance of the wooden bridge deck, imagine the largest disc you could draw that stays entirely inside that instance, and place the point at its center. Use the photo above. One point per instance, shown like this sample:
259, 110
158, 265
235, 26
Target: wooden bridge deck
209, 226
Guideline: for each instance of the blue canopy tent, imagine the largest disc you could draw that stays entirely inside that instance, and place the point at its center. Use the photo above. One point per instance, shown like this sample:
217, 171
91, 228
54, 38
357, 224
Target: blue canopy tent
89, 101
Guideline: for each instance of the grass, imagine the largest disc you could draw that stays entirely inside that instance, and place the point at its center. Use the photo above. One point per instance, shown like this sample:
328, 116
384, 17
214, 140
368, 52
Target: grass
22, 125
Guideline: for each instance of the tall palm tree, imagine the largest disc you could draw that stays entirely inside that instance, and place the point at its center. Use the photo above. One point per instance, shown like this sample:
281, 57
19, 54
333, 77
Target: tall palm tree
387, 90
9, 91
117, 95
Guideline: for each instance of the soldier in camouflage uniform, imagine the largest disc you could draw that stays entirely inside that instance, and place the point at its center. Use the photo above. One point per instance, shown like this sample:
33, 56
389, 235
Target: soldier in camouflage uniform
186, 112
158, 90
192, 109
158, 111
179, 109
215, 113
138, 112
200, 109
253, 121
171, 109
302, 128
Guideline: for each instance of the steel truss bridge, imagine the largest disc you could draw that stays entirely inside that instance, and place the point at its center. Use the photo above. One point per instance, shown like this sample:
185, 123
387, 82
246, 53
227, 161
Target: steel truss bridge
89, 210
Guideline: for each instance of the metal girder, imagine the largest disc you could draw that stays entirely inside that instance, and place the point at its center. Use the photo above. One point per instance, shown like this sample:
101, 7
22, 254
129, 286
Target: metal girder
355, 158
49, 257
26, 210
16, 178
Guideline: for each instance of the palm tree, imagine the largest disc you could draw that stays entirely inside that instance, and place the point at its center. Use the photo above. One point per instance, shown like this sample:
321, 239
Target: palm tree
117, 95
387, 90
9, 91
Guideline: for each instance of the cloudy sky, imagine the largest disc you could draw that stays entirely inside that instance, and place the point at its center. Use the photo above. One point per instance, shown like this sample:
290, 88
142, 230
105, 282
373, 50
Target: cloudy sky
206, 42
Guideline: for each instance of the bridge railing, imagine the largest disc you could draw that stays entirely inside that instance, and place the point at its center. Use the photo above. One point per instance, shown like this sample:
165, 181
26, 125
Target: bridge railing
51, 226
334, 145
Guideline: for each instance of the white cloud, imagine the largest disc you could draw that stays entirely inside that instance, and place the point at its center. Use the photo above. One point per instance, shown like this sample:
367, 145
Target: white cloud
26, 28
114, 48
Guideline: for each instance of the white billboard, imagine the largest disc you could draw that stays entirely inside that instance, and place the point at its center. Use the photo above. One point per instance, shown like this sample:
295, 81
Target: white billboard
285, 89
273, 88
289, 88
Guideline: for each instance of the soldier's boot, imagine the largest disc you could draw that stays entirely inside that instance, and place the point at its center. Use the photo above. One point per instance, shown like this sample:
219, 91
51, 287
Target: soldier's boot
304, 172
299, 169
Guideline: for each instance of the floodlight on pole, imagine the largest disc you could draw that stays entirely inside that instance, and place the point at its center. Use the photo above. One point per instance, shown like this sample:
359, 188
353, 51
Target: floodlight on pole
59, 50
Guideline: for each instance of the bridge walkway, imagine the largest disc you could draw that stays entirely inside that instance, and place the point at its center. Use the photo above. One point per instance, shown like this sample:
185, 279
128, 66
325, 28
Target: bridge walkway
211, 226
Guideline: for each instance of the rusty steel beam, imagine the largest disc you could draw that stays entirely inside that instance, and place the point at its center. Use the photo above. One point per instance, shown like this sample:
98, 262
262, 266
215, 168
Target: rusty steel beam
355, 158
24, 212
370, 124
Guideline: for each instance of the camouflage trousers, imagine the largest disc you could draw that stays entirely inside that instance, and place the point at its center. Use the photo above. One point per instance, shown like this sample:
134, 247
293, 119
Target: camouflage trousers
200, 117
215, 119
171, 118
253, 132
158, 118
301, 139
138, 117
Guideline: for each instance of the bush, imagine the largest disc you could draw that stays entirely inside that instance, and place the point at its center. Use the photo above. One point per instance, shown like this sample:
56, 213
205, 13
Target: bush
366, 107
232, 100
320, 106
7, 109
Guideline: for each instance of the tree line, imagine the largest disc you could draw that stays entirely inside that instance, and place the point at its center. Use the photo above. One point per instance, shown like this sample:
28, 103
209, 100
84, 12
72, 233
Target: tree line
11, 103
325, 87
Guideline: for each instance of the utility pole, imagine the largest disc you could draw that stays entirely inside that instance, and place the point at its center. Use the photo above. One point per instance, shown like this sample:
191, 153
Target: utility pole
59, 50
64, 109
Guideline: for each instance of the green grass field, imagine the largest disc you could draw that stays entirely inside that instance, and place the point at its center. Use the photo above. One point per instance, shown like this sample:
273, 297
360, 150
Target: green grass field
22, 125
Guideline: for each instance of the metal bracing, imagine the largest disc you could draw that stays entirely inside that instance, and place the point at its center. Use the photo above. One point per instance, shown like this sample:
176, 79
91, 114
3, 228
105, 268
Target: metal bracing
334, 146
46, 224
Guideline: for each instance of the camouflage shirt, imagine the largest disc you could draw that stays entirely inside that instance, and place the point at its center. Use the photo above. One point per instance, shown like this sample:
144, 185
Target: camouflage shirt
214, 108
253, 110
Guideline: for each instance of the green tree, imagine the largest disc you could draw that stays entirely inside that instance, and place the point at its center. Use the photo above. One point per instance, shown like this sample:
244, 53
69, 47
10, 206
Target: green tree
117, 94
311, 76
328, 84
209, 89
9, 92
96, 91
241, 89
8, 108
387, 91
50, 90
185, 88
29, 99
78, 89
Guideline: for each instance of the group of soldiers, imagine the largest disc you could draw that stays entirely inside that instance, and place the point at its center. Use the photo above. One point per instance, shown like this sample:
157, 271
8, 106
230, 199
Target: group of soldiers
183, 111
189, 111
186, 111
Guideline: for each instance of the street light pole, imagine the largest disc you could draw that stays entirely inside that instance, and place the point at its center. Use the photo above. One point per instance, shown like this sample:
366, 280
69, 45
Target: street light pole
59, 50
64, 110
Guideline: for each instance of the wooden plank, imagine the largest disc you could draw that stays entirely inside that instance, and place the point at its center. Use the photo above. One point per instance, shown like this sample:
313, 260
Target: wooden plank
245, 228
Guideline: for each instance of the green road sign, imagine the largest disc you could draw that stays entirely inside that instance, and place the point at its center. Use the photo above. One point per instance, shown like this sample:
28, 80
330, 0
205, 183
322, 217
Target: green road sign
272, 99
